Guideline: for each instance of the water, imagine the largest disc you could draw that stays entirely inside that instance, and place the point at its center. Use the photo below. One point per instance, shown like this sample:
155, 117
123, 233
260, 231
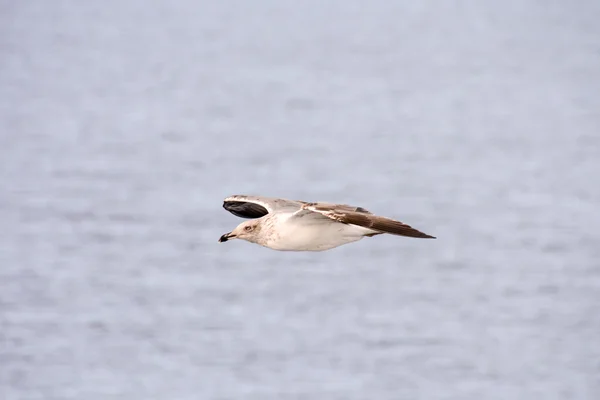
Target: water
124, 125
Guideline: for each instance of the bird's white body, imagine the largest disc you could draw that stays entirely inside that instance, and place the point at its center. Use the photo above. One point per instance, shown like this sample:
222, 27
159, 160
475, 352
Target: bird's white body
295, 234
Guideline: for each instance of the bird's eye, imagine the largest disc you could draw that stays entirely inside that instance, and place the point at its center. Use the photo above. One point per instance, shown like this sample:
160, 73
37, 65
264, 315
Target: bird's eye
248, 228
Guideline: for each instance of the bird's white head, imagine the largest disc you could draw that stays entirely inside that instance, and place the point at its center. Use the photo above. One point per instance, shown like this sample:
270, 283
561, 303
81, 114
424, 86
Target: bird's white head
247, 230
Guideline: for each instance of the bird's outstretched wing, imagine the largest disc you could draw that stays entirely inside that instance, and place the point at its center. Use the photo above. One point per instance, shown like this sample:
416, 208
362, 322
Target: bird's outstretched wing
245, 206
360, 217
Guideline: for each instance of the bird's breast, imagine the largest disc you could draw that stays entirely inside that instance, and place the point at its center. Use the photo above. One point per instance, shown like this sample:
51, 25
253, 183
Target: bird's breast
294, 236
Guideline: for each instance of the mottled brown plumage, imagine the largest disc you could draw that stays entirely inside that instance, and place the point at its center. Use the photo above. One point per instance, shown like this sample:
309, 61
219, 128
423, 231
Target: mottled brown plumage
361, 217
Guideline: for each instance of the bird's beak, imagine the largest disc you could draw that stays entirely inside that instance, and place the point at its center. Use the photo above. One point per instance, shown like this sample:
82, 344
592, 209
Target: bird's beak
226, 237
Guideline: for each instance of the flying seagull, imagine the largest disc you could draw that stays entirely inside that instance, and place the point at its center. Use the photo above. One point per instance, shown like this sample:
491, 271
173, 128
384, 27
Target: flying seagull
294, 225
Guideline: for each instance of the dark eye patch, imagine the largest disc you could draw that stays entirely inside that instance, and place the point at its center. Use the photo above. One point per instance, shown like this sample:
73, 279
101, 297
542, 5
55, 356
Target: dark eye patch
245, 209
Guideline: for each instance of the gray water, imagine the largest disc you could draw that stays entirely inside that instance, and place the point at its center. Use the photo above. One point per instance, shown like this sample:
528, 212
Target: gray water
125, 123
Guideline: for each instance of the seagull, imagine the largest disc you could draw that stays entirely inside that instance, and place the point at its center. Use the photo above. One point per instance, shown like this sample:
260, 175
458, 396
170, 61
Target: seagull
295, 225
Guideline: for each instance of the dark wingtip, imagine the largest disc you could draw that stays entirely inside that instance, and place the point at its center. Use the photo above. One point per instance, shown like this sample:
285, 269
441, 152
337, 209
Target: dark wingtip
425, 236
245, 209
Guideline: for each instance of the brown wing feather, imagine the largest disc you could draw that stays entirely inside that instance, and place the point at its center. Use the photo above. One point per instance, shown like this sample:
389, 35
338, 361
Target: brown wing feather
361, 217
321, 206
380, 224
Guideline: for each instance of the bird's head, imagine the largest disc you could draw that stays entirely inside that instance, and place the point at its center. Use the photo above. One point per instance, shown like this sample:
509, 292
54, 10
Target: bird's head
247, 230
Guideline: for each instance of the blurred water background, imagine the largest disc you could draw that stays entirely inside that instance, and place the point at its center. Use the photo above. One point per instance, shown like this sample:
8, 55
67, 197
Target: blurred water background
123, 125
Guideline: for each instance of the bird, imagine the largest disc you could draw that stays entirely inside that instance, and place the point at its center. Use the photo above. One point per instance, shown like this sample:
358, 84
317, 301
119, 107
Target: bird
296, 225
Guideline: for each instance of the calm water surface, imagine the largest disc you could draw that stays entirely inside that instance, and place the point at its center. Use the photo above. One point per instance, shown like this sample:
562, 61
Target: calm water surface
123, 124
